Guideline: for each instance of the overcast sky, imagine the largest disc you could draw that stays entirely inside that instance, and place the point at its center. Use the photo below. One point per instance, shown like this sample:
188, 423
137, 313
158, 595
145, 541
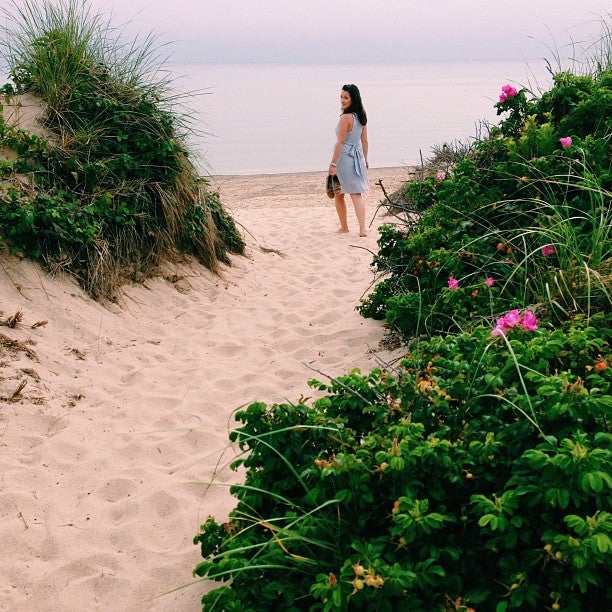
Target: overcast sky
333, 31
361, 30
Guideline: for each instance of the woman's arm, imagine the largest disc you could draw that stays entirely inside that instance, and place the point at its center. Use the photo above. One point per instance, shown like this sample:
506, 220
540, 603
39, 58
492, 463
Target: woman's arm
343, 129
364, 143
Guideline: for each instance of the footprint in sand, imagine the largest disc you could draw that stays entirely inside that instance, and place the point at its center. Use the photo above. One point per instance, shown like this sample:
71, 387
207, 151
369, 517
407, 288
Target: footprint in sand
116, 490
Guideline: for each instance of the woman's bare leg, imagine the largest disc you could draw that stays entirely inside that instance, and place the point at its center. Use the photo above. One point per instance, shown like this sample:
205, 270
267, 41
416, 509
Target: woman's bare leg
342, 215
359, 206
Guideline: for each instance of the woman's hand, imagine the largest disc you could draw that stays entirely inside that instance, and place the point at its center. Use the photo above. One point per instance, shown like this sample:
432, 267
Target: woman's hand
332, 169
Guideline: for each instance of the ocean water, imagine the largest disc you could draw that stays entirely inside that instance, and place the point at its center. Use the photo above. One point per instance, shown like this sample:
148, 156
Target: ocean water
271, 118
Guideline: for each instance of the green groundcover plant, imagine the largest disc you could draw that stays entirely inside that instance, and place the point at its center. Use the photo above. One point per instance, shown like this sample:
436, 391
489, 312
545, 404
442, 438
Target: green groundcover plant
114, 191
477, 476
523, 219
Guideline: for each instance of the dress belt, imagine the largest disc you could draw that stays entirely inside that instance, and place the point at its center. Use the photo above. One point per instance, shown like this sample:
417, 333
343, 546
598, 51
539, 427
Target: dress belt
353, 150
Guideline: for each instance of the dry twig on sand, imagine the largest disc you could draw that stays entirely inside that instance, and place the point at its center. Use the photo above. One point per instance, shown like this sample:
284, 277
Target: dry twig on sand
17, 392
17, 345
270, 250
13, 321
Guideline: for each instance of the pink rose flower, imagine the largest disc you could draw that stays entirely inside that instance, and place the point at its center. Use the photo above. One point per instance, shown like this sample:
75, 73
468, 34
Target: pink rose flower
441, 176
529, 321
508, 321
453, 284
511, 319
547, 250
489, 281
501, 327
566, 142
509, 90
502, 97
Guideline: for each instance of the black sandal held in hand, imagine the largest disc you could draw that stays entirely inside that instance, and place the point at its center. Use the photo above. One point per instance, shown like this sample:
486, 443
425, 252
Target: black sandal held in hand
333, 186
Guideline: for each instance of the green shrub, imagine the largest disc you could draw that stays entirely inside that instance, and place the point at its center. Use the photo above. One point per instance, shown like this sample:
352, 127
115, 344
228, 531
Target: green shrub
479, 474
115, 191
476, 476
519, 192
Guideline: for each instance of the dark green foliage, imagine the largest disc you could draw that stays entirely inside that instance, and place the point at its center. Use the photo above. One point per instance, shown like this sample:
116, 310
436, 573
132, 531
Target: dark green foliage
518, 191
114, 192
478, 474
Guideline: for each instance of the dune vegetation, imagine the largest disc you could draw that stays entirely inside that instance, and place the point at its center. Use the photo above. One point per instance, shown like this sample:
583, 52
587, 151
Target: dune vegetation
104, 187
474, 474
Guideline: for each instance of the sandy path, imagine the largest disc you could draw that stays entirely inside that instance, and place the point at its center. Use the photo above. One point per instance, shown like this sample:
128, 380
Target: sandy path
126, 410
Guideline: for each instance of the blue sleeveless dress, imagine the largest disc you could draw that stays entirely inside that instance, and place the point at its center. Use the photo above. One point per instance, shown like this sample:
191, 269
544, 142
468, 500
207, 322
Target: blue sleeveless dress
351, 168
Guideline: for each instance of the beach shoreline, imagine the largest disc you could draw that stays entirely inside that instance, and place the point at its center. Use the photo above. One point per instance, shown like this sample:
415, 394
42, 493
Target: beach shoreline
298, 189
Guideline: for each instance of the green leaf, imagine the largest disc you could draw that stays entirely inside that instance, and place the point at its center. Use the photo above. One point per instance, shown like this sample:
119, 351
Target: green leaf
579, 561
337, 597
604, 401
563, 496
485, 520
478, 595
397, 464
435, 517
576, 523
592, 481
537, 459
438, 570
547, 390
493, 380
343, 495
603, 542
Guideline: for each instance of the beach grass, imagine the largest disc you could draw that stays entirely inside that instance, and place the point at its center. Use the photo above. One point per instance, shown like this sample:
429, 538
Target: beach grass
115, 191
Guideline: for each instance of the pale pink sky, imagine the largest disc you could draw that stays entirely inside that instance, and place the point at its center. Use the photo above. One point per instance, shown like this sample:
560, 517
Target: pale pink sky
362, 30
334, 31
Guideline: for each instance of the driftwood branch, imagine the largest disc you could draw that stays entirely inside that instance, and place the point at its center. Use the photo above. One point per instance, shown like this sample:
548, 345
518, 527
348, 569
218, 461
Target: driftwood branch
380, 184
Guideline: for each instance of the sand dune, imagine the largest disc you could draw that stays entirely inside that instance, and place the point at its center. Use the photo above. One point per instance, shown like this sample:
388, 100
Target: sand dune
108, 451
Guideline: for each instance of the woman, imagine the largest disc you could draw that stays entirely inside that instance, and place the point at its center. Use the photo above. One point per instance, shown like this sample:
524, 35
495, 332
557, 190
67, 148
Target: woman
350, 158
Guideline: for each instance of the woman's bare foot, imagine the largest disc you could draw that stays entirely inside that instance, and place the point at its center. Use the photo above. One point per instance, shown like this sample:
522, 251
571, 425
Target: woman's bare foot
363, 234
342, 231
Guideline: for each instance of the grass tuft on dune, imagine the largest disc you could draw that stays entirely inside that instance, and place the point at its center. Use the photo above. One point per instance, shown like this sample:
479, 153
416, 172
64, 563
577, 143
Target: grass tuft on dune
107, 189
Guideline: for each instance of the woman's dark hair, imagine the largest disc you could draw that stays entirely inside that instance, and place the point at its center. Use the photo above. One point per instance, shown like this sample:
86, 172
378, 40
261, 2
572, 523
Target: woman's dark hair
356, 103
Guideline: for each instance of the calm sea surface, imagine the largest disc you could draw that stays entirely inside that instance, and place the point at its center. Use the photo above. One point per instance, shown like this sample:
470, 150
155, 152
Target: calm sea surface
270, 118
